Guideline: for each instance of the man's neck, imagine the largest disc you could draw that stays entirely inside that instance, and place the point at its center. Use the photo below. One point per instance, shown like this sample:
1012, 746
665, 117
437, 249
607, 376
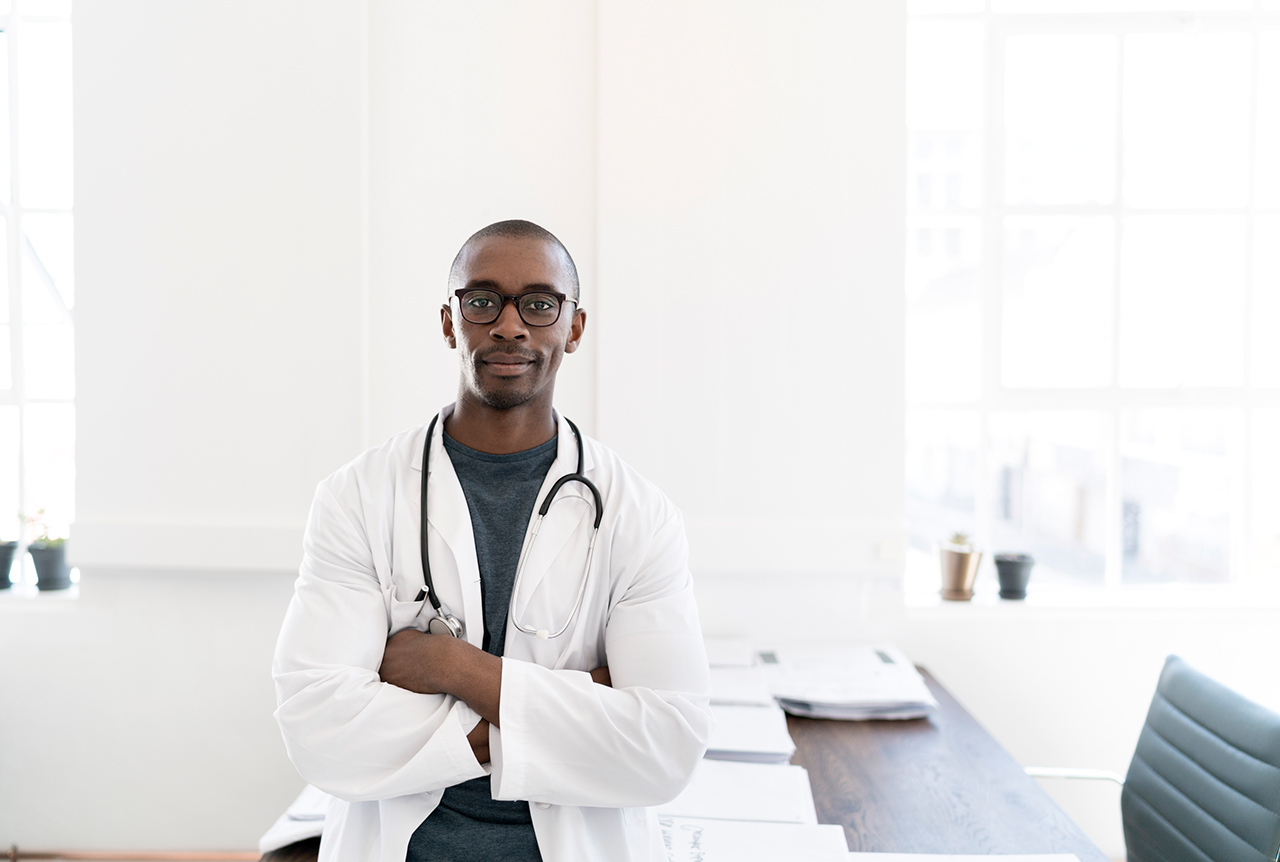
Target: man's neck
500, 431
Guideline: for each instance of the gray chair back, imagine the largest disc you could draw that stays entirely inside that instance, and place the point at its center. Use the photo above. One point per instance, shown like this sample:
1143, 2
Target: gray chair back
1204, 783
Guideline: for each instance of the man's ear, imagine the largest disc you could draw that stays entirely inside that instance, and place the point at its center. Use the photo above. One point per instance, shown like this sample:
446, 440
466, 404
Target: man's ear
576, 329
446, 325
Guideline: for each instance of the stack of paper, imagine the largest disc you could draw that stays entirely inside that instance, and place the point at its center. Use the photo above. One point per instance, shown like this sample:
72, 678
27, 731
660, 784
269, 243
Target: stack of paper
689, 839
847, 683
752, 734
723, 790
740, 686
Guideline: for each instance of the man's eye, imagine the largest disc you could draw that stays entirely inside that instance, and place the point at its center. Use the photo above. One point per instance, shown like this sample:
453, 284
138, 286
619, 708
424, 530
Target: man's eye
479, 302
539, 304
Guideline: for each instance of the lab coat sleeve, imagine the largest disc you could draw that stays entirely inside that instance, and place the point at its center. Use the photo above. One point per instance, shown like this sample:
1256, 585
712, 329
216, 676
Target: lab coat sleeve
346, 731
565, 740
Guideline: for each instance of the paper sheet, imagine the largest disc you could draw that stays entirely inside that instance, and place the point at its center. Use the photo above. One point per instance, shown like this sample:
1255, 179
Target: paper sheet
755, 734
724, 790
689, 839
745, 686
947, 857
728, 652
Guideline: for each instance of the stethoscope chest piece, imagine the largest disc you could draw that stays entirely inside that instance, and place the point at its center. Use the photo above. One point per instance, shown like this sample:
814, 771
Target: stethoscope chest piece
445, 624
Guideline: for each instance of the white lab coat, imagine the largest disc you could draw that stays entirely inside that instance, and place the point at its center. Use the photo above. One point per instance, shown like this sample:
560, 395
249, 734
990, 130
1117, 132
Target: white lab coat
587, 758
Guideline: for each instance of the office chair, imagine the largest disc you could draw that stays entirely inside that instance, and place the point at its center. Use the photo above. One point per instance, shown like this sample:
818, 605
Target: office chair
1204, 782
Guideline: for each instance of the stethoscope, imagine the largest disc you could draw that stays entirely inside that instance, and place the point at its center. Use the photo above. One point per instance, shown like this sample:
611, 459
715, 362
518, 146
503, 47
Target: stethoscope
445, 623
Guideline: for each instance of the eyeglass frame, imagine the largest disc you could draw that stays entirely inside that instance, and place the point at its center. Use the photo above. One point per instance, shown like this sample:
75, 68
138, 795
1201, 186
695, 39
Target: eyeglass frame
514, 299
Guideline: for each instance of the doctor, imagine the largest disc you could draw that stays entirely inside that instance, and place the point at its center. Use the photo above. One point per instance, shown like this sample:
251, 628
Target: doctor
573, 695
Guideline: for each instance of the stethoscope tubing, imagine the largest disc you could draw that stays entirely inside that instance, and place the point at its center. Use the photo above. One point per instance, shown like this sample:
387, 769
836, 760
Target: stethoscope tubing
450, 624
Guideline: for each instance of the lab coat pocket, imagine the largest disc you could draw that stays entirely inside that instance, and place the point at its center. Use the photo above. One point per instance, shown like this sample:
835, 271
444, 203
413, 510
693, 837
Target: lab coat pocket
407, 615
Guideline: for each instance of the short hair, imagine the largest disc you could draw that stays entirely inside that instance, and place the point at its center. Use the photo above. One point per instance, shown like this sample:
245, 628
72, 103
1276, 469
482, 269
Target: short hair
515, 229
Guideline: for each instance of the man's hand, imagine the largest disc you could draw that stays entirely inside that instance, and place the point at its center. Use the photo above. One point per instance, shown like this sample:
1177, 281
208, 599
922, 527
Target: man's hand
601, 675
405, 662
479, 739
439, 664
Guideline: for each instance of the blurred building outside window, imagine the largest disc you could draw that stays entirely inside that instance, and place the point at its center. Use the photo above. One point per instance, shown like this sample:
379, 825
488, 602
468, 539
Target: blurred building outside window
37, 360
1093, 288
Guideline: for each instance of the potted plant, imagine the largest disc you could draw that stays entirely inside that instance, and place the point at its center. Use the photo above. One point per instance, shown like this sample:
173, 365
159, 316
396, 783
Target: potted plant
959, 560
1014, 570
7, 550
49, 554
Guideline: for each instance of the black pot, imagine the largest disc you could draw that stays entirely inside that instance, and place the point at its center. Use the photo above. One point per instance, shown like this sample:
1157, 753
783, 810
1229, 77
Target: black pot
7, 550
51, 566
1014, 570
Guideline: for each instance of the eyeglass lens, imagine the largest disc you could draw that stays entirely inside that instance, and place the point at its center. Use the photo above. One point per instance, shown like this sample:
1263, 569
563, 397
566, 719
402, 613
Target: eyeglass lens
484, 306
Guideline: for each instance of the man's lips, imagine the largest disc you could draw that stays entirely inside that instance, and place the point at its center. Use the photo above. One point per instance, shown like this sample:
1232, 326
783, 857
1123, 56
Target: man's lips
507, 363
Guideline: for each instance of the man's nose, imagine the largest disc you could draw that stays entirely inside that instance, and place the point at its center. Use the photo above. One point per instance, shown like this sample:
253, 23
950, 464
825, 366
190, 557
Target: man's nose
509, 326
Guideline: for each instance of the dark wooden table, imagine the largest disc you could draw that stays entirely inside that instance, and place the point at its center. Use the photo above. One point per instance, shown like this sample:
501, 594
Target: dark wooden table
931, 785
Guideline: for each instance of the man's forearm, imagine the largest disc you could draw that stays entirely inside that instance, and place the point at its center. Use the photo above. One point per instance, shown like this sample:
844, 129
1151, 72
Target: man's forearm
439, 664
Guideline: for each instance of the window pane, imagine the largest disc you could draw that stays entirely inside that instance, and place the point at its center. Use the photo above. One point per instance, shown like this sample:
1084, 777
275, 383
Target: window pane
1182, 301
1056, 328
1265, 313
921, 7
48, 354
51, 251
1265, 479
1049, 478
1176, 491
4, 118
944, 309
4, 270
41, 302
1267, 172
50, 451
1118, 5
1186, 119
942, 472
44, 121
1060, 107
46, 7
6, 359
944, 114
9, 525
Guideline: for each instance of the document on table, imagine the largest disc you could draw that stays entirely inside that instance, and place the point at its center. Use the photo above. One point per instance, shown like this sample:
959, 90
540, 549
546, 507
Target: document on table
848, 682
691, 839
947, 857
752, 734
724, 790
729, 652
743, 686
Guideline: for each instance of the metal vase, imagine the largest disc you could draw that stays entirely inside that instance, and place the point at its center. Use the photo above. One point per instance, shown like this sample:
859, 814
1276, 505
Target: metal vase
959, 568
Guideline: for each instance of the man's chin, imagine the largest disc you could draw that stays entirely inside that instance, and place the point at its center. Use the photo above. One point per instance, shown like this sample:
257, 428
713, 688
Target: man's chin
505, 398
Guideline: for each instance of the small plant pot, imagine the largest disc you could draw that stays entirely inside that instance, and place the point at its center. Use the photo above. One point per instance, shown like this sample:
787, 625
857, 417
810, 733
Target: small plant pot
7, 550
1014, 570
51, 567
959, 568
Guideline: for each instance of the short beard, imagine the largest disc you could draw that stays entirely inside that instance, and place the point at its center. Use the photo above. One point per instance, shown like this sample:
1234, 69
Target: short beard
505, 398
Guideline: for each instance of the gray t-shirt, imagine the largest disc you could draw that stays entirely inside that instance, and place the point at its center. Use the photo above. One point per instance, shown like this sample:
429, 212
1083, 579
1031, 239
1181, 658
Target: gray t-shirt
501, 491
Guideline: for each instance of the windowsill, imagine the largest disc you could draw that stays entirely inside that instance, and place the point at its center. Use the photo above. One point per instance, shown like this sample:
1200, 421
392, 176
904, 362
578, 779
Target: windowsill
25, 597
1053, 599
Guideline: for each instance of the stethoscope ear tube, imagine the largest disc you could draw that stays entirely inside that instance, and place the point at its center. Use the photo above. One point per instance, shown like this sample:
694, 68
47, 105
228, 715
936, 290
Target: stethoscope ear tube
445, 623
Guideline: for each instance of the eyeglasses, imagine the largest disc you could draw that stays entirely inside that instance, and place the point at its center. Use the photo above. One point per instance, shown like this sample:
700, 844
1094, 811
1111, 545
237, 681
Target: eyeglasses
479, 305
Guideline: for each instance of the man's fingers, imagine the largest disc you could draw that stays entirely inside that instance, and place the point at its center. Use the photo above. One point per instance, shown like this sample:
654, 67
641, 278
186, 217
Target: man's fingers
601, 675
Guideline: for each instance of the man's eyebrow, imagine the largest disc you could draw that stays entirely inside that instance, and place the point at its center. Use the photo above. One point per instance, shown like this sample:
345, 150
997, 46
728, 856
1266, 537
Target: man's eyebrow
489, 284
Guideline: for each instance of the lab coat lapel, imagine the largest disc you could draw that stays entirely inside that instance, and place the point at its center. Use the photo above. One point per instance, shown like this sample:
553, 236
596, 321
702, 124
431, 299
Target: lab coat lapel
450, 519
564, 519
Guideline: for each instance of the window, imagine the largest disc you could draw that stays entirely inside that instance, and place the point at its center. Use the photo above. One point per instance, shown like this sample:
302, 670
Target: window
37, 367
1093, 286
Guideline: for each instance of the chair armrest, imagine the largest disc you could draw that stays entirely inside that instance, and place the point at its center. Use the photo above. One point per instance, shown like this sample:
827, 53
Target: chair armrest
1069, 772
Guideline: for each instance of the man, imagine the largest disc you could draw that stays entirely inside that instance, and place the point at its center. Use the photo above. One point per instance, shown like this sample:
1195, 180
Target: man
433, 745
